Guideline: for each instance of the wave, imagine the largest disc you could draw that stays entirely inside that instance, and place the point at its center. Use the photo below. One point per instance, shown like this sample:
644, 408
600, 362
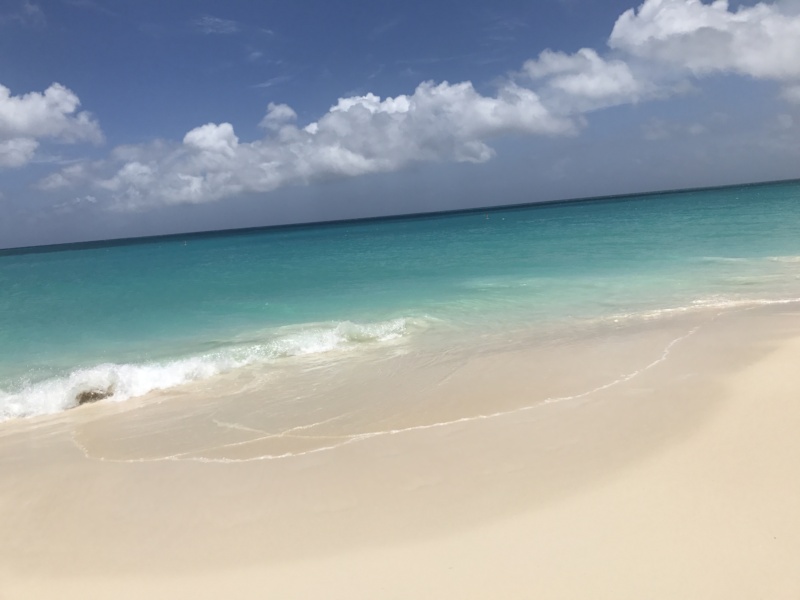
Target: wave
752, 260
784, 259
700, 304
501, 283
727, 259
119, 382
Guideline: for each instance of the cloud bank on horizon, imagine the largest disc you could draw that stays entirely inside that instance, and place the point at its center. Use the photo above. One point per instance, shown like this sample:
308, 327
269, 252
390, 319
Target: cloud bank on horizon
661, 48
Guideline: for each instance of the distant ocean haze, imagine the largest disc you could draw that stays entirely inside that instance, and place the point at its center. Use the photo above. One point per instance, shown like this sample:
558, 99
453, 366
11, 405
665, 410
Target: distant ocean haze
124, 319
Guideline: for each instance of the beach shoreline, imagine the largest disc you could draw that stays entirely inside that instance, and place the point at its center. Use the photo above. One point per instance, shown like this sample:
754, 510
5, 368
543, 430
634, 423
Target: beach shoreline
667, 471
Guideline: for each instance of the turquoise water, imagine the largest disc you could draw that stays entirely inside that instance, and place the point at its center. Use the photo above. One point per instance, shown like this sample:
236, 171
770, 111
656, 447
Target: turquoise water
151, 314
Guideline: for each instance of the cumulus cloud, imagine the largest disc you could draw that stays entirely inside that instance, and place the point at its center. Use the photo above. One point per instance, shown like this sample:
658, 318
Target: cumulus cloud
68, 176
212, 140
653, 51
654, 46
277, 116
53, 114
358, 135
585, 81
760, 41
17, 152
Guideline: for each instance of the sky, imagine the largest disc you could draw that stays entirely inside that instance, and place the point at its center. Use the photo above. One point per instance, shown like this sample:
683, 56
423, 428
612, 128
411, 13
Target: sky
124, 118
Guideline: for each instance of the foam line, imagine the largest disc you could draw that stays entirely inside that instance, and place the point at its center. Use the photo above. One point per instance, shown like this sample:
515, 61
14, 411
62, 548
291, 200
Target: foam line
359, 437
119, 382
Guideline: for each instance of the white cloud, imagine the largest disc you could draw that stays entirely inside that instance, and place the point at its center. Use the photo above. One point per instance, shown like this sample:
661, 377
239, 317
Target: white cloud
760, 41
277, 116
73, 174
651, 52
655, 46
663, 40
17, 152
213, 139
52, 114
49, 114
358, 135
585, 81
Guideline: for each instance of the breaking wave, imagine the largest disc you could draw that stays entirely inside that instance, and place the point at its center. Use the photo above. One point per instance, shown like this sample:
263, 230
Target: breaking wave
120, 382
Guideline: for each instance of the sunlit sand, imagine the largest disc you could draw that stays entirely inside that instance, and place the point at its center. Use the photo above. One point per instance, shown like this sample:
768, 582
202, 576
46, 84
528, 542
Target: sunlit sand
663, 469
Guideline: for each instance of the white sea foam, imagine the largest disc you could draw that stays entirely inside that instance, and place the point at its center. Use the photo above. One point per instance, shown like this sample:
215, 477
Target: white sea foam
784, 259
123, 381
707, 303
502, 283
344, 440
726, 259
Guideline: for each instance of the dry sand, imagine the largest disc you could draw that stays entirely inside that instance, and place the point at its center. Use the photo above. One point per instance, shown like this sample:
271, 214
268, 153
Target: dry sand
680, 480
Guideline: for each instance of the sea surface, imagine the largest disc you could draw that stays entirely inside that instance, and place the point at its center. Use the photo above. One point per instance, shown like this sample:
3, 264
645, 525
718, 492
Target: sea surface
123, 319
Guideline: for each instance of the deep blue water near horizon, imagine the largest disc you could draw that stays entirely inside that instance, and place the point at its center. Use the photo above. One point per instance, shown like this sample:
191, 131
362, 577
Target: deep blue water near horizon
130, 318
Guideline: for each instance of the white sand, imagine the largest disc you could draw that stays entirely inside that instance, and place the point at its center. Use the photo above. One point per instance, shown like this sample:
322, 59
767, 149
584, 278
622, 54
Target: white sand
680, 482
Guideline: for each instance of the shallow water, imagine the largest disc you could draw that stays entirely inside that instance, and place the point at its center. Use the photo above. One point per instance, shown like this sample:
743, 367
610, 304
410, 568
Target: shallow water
127, 319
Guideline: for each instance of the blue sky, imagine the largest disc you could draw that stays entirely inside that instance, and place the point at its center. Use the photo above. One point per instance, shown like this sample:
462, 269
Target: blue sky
128, 118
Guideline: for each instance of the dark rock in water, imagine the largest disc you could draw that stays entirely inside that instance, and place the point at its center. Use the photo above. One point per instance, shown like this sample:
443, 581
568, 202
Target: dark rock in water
88, 396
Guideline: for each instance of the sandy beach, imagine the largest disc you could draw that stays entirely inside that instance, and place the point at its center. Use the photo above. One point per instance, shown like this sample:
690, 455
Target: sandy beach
658, 462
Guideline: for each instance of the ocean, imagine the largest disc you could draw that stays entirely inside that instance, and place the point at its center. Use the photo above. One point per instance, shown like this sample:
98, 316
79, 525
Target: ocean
122, 320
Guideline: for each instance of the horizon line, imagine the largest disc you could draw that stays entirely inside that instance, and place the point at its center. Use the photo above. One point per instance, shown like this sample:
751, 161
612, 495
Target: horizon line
126, 241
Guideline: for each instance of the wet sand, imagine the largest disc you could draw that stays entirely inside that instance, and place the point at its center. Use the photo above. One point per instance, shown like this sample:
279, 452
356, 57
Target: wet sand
656, 461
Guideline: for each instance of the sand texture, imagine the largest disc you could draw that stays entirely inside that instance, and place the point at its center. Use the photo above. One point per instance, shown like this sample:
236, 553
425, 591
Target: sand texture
662, 462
